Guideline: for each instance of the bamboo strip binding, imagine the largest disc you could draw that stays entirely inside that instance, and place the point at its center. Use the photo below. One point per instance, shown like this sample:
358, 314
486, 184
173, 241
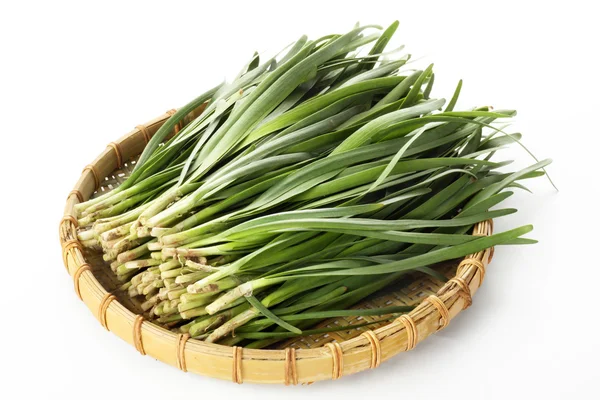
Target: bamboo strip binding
77, 276
315, 363
464, 292
76, 193
337, 356
237, 365
471, 262
67, 247
137, 334
412, 334
182, 339
291, 373
117, 150
375, 348
95, 174
442, 309
103, 308
145, 132
71, 219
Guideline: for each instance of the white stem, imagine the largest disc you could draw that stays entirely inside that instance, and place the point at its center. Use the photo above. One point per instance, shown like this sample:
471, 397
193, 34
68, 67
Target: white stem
245, 289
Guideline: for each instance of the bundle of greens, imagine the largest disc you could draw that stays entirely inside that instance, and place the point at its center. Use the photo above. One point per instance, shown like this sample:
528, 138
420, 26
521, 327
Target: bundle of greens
308, 183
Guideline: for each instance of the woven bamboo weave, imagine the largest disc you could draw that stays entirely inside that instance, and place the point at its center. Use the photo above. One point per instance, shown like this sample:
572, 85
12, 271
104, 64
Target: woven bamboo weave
303, 360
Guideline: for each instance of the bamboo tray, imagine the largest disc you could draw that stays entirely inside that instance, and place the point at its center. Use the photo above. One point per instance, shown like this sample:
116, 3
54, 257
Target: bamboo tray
304, 360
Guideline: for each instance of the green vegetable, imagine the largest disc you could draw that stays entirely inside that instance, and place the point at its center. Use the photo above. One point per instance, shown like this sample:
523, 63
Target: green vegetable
308, 183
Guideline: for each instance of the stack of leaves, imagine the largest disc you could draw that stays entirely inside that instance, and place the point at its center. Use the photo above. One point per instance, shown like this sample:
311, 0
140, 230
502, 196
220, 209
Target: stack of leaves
308, 183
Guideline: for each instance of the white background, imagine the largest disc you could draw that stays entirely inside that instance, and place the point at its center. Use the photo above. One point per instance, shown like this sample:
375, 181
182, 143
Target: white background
74, 76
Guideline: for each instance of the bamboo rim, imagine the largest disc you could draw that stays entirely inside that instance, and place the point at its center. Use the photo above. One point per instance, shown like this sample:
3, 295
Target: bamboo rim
287, 366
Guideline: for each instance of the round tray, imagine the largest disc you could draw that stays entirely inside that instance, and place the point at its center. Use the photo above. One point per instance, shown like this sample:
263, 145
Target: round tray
304, 360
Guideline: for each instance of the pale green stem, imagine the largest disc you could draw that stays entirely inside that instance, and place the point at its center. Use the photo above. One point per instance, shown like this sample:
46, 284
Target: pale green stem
212, 278
173, 294
160, 203
148, 304
192, 277
116, 232
201, 266
79, 207
242, 290
169, 265
182, 307
130, 216
86, 235
232, 324
141, 263
193, 313
174, 273
91, 244
188, 297
133, 254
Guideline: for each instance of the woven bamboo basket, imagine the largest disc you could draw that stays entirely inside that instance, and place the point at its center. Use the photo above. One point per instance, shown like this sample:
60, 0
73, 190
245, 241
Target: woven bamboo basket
304, 360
